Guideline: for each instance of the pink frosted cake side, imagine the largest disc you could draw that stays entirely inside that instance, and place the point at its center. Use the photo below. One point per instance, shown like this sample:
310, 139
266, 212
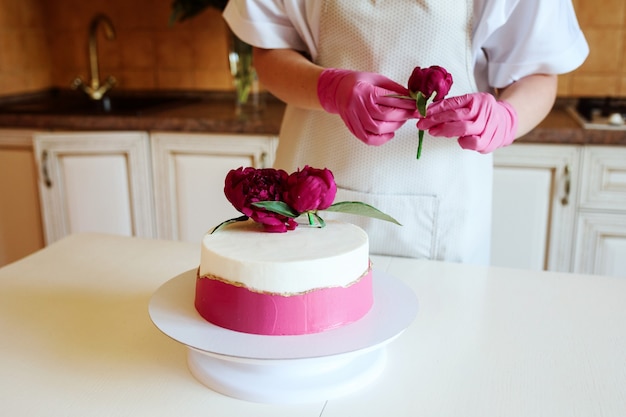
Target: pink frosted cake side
306, 281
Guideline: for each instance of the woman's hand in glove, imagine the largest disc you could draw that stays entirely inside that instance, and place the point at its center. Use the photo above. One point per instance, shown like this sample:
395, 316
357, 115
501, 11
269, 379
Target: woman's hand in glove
481, 122
362, 100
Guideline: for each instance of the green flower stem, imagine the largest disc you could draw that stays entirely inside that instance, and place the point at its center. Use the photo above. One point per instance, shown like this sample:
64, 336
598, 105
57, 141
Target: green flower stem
320, 221
421, 107
311, 217
419, 145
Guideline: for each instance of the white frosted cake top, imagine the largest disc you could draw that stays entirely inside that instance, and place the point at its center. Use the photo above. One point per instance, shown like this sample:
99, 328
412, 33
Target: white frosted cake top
293, 262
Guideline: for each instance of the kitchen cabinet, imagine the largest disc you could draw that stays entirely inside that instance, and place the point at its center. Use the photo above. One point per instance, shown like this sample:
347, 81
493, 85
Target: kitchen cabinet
95, 182
534, 206
601, 225
188, 173
161, 184
21, 231
555, 207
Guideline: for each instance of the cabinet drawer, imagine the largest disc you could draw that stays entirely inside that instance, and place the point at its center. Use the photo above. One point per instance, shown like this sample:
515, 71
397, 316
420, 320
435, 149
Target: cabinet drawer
603, 183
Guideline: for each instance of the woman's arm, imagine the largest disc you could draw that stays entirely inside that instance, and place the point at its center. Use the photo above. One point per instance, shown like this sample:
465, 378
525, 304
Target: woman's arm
365, 101
532, 98
289, 76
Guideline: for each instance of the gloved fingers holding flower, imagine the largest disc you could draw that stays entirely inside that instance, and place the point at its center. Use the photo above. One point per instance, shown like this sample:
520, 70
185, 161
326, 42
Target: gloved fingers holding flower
426, 85
368, 103
480, 121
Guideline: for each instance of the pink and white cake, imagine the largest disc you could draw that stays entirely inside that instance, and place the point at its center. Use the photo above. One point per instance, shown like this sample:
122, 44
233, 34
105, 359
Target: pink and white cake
305, 281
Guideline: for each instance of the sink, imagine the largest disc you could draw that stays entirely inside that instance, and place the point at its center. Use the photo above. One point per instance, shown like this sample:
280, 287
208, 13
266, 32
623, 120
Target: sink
116, 103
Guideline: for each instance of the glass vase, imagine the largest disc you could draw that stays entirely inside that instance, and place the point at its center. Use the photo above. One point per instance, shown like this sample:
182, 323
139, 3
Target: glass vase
244, 76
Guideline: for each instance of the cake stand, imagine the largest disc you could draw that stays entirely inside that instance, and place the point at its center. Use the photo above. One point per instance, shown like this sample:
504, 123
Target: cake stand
285, 369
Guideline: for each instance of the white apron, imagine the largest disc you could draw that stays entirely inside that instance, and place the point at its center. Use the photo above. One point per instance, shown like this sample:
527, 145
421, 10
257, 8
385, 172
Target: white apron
443, 200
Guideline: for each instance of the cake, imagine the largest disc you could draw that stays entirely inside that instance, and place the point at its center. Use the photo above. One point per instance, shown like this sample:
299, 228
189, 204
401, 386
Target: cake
266, 273
307, 280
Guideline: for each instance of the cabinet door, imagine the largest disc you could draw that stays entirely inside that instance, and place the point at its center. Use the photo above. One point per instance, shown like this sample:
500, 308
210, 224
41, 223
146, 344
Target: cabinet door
95, 182
601, 244
534, 206
601, 231
189, 172
21, 231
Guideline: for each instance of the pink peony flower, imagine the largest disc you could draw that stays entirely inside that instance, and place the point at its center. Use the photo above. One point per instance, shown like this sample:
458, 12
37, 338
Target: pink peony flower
245, 186
434, 79
310, 189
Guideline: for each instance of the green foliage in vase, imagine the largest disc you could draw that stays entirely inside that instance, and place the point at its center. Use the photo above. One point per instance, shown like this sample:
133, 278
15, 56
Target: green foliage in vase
186, 9
240, 55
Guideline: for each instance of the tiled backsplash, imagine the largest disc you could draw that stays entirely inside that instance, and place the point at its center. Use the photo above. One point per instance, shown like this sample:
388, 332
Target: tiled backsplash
44, 43
147, 52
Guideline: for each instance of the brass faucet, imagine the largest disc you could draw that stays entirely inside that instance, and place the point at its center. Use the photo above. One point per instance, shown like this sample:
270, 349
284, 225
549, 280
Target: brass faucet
95, 90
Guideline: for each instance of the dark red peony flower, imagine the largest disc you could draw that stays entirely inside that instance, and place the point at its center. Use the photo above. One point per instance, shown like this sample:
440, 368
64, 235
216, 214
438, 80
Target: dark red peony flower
430, 80
245, 186
275, 199
310, 189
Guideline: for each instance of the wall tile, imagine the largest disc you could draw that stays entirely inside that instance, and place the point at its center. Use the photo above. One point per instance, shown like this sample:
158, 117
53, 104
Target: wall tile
211, 80
595, 85
605, 13
211, 49
137, 79
606, 49
109, 52
172, 79
565, 85
70, 54
28, 14
137, 50
8, 13
622, 86
623, 62
24, 52
174, 50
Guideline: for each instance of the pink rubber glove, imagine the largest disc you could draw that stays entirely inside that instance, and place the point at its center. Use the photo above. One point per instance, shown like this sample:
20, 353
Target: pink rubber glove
361, 100
481, 122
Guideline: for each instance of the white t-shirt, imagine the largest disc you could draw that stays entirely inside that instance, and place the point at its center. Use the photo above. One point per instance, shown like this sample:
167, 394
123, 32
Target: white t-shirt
510, 38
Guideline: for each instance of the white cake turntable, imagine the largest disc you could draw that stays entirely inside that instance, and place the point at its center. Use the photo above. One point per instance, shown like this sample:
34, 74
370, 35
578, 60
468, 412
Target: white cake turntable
285, 369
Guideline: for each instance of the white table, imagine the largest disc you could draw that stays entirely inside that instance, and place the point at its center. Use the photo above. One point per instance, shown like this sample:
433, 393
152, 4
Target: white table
76, 340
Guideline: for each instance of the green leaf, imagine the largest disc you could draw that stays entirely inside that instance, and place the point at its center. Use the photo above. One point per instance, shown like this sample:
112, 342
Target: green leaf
224, 223
361, 209
421, 103
278, 207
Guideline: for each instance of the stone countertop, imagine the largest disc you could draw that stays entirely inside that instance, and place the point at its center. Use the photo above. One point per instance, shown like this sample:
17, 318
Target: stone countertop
560, 127
216, 112
197, 113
